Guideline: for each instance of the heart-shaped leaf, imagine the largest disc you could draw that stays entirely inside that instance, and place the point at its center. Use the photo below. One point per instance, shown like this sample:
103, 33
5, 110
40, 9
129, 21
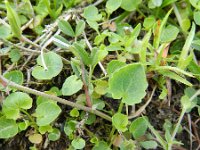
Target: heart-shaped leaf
129, 83
54, 66
112, 5
14, 102
130, 5
46, 112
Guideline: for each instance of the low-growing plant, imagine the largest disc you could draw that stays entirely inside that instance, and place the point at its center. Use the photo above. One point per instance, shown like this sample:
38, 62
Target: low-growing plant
87, 71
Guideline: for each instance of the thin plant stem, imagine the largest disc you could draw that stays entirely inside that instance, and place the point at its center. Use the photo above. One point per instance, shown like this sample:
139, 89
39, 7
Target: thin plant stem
6, 82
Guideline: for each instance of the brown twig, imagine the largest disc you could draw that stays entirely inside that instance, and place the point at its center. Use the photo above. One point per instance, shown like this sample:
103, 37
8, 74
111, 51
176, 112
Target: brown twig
85, 86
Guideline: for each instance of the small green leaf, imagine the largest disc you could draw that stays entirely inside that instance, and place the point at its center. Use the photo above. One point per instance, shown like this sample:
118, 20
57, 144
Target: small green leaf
8, 128
14, 20
149, 144
54, 135
138, 127
91, 118
14, 103
54, 66
98, 104
91, 13
101, 145
128, 145
4, 31
14, 55
70, 127
61, 42
78, 143
149, 22
197, 17
169, 34
44, 129
120, 121
23, 125
46, 113
79, 28
71, 85
81, 53
74, 112
15, 76
175, 76
101, 87
66, 28
35, 138
93, 24
112, 5
114, 65
130, 5
129, 83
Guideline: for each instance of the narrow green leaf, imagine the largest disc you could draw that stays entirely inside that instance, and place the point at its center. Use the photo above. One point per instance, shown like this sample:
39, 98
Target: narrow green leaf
66, 28
80, 27
186, 48
160, 29
175, 76
14, 20
81, 53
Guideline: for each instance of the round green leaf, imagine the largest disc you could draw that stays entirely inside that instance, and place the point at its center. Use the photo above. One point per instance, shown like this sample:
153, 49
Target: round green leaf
120, 121
71, 85
15, 76
46, 113
14, 55
54, 66
14, 102
35, 138
130, 5
169, 34
78, 143
4, 31
54, 135
138, 127
129, 83
112, 5
149, 22
91, 13
74, 112
8, 128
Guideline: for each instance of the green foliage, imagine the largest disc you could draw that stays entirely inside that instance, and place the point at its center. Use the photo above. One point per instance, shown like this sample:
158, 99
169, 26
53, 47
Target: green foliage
14, 20
129, 83
120, 122
53, 63
8, 128
71, 85
14, 103
78, 143
116, 49
138, 127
